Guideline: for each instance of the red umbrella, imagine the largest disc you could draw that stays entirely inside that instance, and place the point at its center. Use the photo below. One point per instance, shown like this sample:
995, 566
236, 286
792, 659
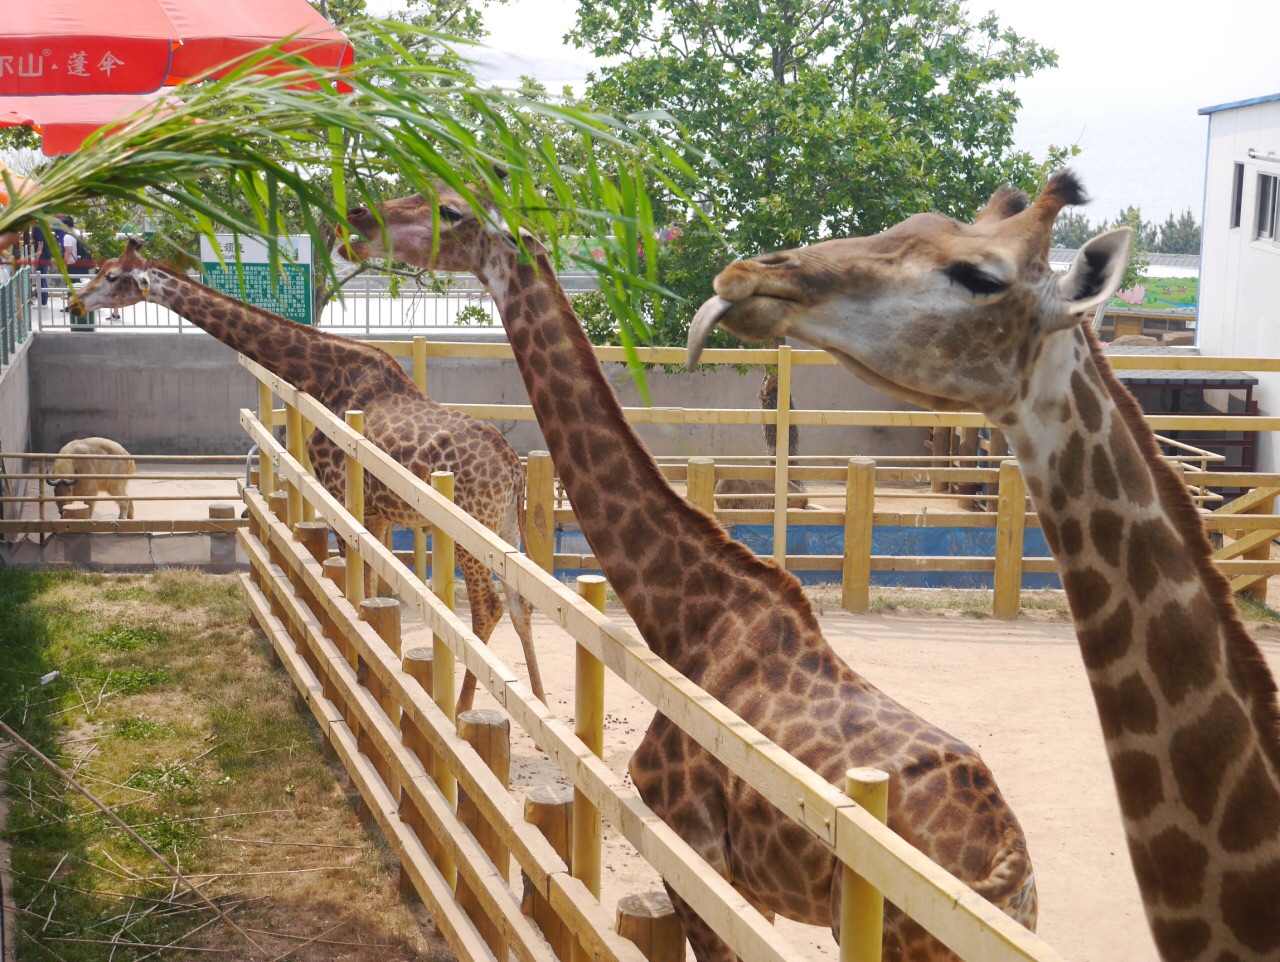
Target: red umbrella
138, 46
65, 122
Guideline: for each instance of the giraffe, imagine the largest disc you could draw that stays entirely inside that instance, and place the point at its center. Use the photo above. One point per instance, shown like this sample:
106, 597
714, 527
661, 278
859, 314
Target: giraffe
969, 316
738, 626
344, 374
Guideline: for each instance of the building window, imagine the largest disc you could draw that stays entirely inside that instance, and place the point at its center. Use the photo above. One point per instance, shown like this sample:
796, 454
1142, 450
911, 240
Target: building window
1267, 196
1237, 194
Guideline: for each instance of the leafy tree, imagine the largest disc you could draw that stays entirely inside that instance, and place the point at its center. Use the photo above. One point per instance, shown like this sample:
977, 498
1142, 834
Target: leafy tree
1181, 236
1135, 272
1071, 230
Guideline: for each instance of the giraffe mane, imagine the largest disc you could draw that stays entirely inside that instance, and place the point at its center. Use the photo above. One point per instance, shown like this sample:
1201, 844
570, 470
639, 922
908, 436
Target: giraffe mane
1241, 648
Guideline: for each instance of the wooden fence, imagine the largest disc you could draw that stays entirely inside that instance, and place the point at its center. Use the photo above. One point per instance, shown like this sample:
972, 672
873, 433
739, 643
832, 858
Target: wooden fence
1246, 525
398, 739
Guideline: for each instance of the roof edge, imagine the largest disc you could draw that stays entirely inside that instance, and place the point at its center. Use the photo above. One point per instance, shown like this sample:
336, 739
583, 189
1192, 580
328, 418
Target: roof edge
1266, 98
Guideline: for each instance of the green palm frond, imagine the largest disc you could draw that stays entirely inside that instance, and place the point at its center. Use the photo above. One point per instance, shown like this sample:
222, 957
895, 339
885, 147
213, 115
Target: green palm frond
258, 156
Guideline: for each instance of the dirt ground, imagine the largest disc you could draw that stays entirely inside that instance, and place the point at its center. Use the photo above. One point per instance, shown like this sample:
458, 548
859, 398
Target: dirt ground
1015, 691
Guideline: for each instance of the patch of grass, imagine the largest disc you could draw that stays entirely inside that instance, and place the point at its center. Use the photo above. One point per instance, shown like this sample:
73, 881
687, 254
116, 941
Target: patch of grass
173, 777
136, 728
117, 638
127, 681
1252, 610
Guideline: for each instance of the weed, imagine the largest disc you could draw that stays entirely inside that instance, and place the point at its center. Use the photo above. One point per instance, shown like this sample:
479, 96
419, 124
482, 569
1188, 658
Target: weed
136, 728
117, 638
127, 681
1253, 610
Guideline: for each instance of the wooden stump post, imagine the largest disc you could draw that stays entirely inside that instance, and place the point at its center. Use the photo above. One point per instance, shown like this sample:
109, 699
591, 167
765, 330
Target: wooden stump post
314, 536
80, 544
648, 920
968, 450
859, 514
861, 904
335, 569
940, 447
278, 507
266, 414
294, 445
222, 544
383, 616
489, 733
549, 808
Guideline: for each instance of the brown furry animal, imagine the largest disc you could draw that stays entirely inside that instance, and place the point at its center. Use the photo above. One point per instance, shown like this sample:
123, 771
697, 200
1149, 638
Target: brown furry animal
76, 473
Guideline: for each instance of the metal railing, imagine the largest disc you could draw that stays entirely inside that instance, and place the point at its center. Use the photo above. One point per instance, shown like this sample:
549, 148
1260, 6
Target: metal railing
15, 312
368, 306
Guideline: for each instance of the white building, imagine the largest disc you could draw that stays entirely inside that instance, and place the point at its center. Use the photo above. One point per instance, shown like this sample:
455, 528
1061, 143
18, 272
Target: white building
1239, 309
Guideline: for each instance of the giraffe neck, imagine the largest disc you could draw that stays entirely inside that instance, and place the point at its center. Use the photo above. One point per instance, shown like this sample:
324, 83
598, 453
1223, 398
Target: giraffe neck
1187, 705
672, 566
320, 363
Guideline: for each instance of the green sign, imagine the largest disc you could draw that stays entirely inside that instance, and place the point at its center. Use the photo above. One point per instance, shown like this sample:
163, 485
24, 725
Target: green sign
288, 293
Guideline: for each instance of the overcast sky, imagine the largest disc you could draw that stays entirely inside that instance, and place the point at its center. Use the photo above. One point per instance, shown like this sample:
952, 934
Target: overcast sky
1131, 76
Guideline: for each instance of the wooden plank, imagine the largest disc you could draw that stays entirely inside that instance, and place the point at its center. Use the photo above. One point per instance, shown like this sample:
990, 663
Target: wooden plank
1247, 543
124, 526
1245, 502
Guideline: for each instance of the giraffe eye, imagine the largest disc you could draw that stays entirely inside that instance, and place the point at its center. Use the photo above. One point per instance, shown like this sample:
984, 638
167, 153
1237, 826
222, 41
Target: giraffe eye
113, 276
450, 213
974, 279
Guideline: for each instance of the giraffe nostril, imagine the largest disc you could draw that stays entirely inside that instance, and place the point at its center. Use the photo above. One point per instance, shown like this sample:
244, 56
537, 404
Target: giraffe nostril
355, 212
772, 260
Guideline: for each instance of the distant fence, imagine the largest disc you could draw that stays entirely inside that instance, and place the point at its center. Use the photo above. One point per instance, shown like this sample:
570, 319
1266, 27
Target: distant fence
15, 311
368, 306
387, 713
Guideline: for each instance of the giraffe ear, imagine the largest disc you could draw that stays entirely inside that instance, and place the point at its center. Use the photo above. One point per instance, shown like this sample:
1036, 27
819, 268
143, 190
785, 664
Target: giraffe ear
1095, 273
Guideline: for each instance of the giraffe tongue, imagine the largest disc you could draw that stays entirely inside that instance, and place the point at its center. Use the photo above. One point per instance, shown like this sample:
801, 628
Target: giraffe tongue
704, 322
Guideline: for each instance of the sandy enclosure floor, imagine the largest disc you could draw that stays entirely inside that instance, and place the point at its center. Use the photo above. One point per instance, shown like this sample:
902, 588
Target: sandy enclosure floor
1015, 691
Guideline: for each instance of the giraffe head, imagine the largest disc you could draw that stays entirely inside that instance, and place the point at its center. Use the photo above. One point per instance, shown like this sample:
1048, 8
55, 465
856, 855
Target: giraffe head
121, 281
443, 231
934, 311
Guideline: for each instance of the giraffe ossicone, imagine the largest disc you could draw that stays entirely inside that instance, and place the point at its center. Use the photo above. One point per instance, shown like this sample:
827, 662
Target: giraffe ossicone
736, 625
971, 317
344, 374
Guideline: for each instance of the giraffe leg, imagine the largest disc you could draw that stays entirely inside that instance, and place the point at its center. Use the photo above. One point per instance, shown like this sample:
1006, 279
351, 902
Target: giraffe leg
486, 611
522, 617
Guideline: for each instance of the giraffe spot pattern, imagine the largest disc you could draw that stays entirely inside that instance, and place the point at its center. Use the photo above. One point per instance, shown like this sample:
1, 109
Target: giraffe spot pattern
1071, 467
1072, 535
1087, 590
1087, 403
1250, 906
1156, 553
1173, 872
1180, 940
1201, 751
1131, 467
1126, 707
1182, 649
1105, 482
1252, 812
1106, 528
1137, 776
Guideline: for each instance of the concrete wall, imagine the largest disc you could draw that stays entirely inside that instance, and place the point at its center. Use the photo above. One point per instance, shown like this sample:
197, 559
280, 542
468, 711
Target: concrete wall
181, 394
1239, 311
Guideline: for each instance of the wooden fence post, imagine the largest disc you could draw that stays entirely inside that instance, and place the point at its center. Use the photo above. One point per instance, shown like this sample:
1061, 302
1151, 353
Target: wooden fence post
314, 536
968, 450
355, 507
1010, 523
648, 920
861, 904
859, 514
335, 569
539, 516
383, 616
940, 448
489, 733
293, 444
588, 725
417, 663
266, 414
420, 363
701, 484
782, 463
443, 686
549, 808
308, 509
1258, 590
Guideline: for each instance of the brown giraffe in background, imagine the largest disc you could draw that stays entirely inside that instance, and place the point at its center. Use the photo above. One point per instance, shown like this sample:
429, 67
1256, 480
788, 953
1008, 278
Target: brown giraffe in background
961, 317
738, 626
344, 374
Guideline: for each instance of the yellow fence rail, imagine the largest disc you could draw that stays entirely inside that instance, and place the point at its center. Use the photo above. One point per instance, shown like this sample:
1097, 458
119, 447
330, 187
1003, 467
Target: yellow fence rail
376, 713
